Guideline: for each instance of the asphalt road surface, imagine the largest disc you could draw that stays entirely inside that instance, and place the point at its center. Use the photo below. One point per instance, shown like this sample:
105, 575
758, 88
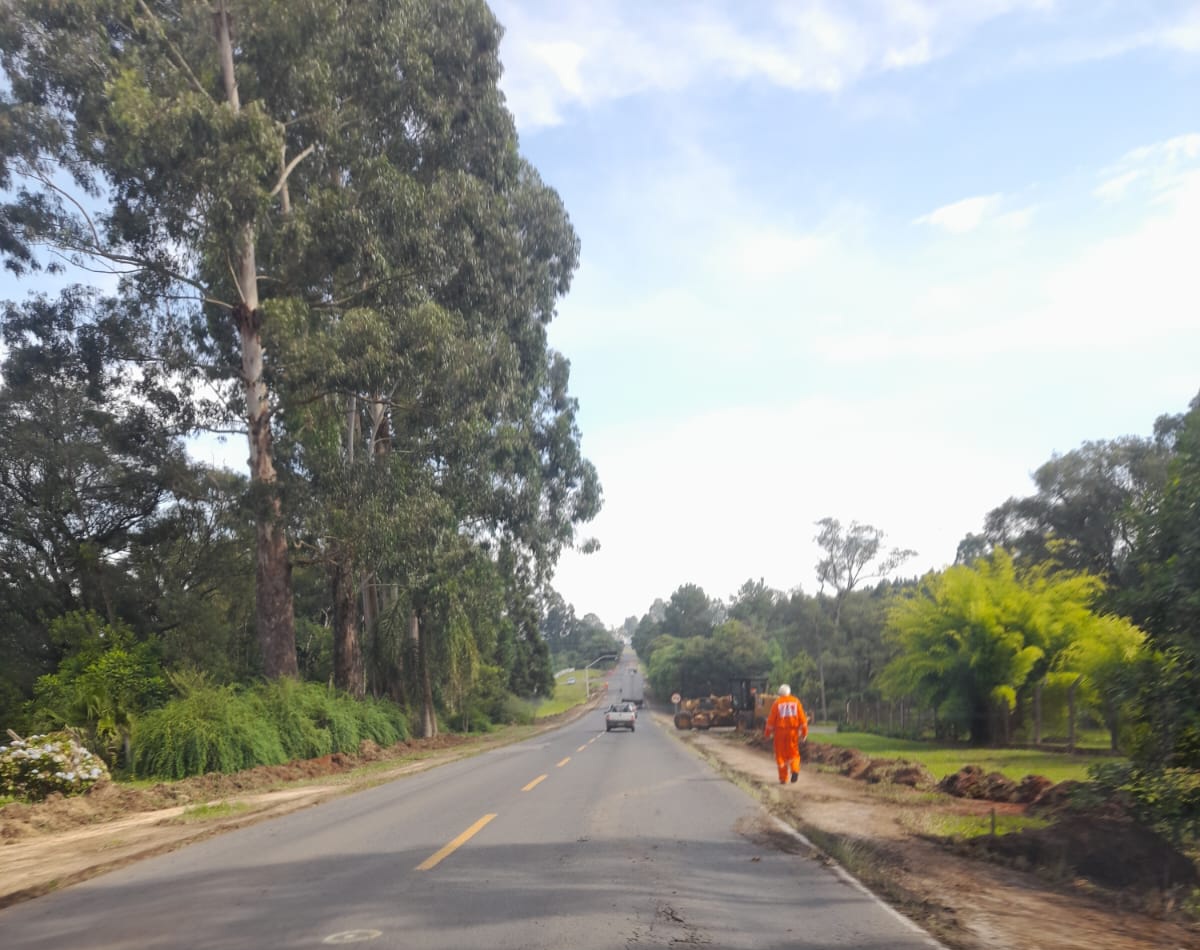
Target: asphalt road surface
576, 839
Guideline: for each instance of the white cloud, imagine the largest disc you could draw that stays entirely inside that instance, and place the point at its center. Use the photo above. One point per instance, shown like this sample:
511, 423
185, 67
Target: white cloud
1183, 36
1116, 290
1114, 188
771, 253
579, 52
1159, 167
1017, 220
963, 216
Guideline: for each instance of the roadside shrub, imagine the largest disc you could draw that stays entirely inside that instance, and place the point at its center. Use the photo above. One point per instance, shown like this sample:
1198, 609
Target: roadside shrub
221, 729
35, 767
516, 711
314, 720
104, 682
383, 722
299, 713
1167, 800
208, 729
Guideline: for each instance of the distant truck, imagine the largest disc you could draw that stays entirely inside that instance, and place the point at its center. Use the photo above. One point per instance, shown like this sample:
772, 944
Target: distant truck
633, 688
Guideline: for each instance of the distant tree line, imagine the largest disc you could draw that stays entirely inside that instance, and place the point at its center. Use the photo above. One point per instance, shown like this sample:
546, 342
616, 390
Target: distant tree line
1082, 597
573, 641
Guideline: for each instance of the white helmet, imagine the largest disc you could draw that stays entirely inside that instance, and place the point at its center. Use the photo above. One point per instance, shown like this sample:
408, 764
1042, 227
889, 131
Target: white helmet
785, 690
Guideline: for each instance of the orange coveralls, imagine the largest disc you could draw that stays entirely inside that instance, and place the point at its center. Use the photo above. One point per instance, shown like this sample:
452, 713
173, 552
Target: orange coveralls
789, 724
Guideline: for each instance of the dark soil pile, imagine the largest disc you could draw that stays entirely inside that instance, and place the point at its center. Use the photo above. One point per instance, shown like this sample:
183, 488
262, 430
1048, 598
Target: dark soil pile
1110, 852
854, 764
1102, 844
972, 782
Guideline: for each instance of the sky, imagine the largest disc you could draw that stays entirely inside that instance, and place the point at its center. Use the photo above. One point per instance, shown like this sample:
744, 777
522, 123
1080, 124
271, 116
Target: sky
876, 261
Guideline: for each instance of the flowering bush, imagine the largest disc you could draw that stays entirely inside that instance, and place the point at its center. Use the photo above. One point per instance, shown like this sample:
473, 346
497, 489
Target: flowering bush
33, 768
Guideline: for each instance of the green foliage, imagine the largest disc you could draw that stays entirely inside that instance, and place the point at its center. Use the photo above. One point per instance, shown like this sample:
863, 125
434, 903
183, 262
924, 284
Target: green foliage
223, 729
573, 641
1167, 800
966, 827
208, 729
973, 637
381, 721
689, 613
703, 666
1089, 504
1165, 730
104, 682
944, 759
1166, 601
210, 812
515, 711
306, 719
35, 767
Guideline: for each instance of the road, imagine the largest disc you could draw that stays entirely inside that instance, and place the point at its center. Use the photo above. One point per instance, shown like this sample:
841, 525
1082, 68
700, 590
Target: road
576, 839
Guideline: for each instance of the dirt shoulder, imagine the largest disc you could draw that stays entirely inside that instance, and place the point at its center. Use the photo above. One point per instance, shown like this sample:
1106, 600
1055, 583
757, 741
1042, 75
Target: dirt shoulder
62, 841
966, 901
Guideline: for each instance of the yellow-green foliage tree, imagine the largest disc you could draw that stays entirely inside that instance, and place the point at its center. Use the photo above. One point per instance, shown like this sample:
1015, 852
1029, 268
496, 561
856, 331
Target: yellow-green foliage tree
972, 637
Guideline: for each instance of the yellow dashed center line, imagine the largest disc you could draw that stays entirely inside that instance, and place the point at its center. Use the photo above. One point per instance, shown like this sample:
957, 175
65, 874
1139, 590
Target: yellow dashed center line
438, 856
582, 747
563, 762
540, 778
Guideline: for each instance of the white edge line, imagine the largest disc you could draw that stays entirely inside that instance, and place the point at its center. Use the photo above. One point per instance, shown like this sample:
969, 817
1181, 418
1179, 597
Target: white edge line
847, 878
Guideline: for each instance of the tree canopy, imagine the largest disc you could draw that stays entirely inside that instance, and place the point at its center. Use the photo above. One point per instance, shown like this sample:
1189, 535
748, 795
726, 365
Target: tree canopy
328, 241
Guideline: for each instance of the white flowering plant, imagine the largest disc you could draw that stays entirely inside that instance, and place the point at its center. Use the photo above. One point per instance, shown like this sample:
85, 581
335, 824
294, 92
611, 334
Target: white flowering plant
35, 767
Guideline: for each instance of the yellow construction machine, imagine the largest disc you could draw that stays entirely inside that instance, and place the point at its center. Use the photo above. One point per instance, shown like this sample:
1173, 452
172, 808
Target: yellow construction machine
744, 707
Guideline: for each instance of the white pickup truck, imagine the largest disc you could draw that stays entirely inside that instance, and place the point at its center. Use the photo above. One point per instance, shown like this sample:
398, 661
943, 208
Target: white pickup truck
620, 716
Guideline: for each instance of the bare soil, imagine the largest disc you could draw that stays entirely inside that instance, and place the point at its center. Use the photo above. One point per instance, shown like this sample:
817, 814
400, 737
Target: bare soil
969, 895
1021, 890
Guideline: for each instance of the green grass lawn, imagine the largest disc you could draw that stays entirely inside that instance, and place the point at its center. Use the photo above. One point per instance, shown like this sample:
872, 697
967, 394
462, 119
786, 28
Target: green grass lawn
942, 760
967, 826
569, 695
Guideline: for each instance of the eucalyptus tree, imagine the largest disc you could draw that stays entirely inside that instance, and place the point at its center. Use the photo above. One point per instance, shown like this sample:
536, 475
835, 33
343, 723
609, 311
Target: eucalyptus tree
141, 152
851, 555
325, 193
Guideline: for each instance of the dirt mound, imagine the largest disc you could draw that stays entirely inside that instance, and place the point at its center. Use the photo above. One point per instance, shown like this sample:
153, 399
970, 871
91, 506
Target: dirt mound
1110, 852
854, 764
848, 762
972, 782
899, 772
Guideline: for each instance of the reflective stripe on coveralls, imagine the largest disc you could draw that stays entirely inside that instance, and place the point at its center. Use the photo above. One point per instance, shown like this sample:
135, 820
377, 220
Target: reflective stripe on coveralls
788, 722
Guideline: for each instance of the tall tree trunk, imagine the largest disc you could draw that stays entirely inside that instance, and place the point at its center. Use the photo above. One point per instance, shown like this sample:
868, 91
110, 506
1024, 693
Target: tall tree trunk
1071, 690
274, 616
1037, 711
420, 642
837, 621
348, 670
981, 722
1112, 720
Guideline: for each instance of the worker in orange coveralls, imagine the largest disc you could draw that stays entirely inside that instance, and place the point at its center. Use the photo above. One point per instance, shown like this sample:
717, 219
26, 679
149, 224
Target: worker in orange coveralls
789, 724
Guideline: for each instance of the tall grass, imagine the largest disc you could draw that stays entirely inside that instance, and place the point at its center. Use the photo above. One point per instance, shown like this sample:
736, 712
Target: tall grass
222, 729
209, 729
